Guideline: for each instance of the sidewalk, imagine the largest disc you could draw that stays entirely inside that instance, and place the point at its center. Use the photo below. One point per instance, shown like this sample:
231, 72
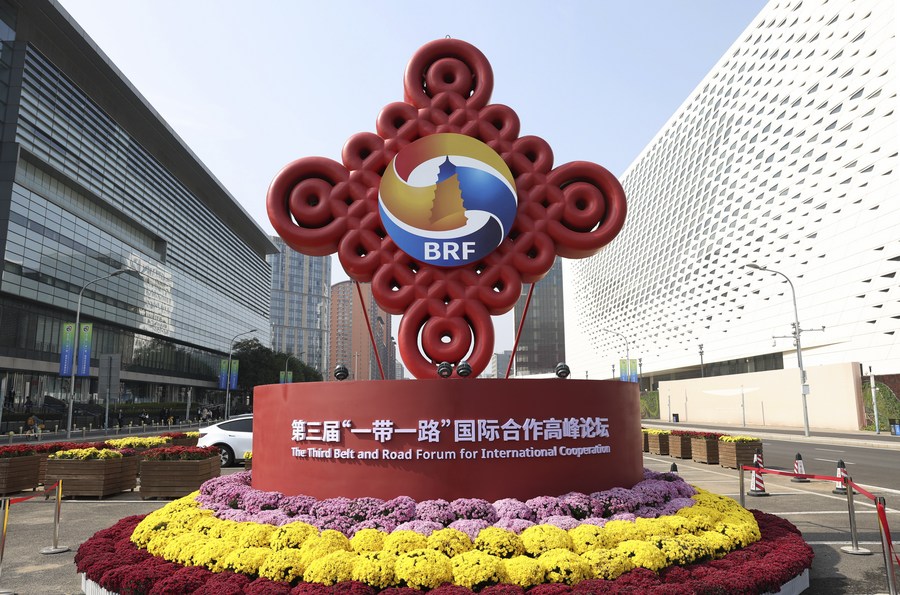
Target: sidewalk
845, 438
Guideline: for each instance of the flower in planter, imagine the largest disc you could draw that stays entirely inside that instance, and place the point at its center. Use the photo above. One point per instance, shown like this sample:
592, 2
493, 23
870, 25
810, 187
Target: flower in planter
248, 455
727, 438
86, 454
176, 435
138, 442
181, 453
16, 450
655, 432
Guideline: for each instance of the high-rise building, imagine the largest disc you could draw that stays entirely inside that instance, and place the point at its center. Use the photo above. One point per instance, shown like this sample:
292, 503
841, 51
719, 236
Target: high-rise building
499, 364
542, 343
351, 343
301, 299
92, 180
785, 156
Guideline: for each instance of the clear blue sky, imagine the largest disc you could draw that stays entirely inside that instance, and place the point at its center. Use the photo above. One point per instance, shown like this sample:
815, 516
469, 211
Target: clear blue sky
251, 86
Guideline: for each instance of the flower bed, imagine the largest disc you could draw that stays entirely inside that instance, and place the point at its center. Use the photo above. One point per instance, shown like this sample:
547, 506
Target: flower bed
658, 441
111, 559
735, 451
19, 467
680, 444
92, 471
705, 447
174, 471
182, 438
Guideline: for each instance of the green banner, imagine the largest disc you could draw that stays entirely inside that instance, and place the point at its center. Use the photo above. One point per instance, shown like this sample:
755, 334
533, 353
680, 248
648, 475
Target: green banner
67, 348
83, 366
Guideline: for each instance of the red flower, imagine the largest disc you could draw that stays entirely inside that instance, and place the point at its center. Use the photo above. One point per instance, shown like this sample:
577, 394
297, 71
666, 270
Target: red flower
181, 453
17, 450
185, 580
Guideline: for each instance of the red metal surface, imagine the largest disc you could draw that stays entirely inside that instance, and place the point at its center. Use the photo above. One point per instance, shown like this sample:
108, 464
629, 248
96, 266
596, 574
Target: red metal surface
276, 408
320, 207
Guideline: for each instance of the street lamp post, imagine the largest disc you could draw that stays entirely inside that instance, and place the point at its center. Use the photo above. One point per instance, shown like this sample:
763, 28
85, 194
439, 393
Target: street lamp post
640, 374
627, 354
804, 387
286, 360
228, 377
77, 336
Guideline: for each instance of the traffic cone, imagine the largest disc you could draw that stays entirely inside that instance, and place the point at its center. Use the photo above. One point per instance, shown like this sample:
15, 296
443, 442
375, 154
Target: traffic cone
673, 468
840, 487
756, 478
799, 469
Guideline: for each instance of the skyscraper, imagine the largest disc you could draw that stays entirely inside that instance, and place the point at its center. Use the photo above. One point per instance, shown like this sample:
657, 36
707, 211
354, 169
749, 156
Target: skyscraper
784, 156
351, 343
542, 343
92, 181
301, 299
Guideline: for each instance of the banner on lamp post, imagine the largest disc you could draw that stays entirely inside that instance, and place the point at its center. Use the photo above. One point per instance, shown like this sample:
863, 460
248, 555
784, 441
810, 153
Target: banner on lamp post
633, 368
290, 376
84, 349
623, 370
232, 381
67, 348
223, 374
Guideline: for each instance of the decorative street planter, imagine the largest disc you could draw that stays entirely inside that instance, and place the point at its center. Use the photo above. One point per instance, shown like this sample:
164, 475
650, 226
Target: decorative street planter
705, 450
658, 442
93, 477
174, 479
680, 446
176, 471
646, 441
734, 453
19, 473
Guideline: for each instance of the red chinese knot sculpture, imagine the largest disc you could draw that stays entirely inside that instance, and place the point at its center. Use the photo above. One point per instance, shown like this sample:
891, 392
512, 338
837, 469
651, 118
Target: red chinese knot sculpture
319, 207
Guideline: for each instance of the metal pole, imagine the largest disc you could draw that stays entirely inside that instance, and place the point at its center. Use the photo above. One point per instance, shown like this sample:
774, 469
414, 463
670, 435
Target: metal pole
741, 484
702, 374
853, 548
743, 409
885, 548
804, 387
874, 400
56, 548
3, 538
228, 377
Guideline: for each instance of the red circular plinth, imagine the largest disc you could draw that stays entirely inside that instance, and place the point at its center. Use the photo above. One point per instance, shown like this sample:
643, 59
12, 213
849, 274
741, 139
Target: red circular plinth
448, 439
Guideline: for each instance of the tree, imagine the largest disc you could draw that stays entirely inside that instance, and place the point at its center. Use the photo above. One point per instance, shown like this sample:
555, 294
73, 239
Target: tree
262, 365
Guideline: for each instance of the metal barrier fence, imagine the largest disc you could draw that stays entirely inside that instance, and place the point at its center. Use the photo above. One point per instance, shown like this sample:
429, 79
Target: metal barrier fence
886, 543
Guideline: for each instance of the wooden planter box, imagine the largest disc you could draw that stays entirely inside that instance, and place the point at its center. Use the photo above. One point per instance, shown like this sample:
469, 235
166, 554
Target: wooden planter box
646, 442
98, 477
735, 454
248, 464
19, 473
680, 446
659, 444
705, 450
184, 441
174, 479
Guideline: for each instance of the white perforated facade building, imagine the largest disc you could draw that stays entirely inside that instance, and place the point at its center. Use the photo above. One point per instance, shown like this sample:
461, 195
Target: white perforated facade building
785, 155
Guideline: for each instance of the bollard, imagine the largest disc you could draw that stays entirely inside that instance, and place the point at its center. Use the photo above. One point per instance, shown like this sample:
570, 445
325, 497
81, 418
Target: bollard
84, 432
56, 548
3, 539
11, 437
759, 487
799, 469
886, 548
840, 486
853, 548
673, 468
741, 485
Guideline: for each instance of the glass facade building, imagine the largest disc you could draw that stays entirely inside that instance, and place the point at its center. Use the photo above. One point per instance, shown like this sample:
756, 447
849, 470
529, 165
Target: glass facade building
542, 343
92, 180
301, 299
785, 156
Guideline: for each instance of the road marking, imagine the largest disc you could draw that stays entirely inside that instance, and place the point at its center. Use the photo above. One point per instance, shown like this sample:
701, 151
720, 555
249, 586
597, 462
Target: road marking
878, 489
834, 461
830, 449
843, 543
836, 512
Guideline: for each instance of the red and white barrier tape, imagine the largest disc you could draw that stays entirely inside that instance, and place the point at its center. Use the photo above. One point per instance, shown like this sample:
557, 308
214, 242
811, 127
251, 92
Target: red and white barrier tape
44, 492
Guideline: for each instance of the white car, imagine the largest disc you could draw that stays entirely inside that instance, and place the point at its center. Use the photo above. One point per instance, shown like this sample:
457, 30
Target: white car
234, 437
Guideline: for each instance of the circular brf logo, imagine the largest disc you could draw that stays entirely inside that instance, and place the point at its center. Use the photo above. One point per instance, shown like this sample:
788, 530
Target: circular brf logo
447, 199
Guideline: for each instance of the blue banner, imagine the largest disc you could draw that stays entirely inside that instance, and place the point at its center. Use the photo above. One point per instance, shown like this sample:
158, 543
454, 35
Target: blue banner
83, 367
67, 348
234, 374
223, 373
